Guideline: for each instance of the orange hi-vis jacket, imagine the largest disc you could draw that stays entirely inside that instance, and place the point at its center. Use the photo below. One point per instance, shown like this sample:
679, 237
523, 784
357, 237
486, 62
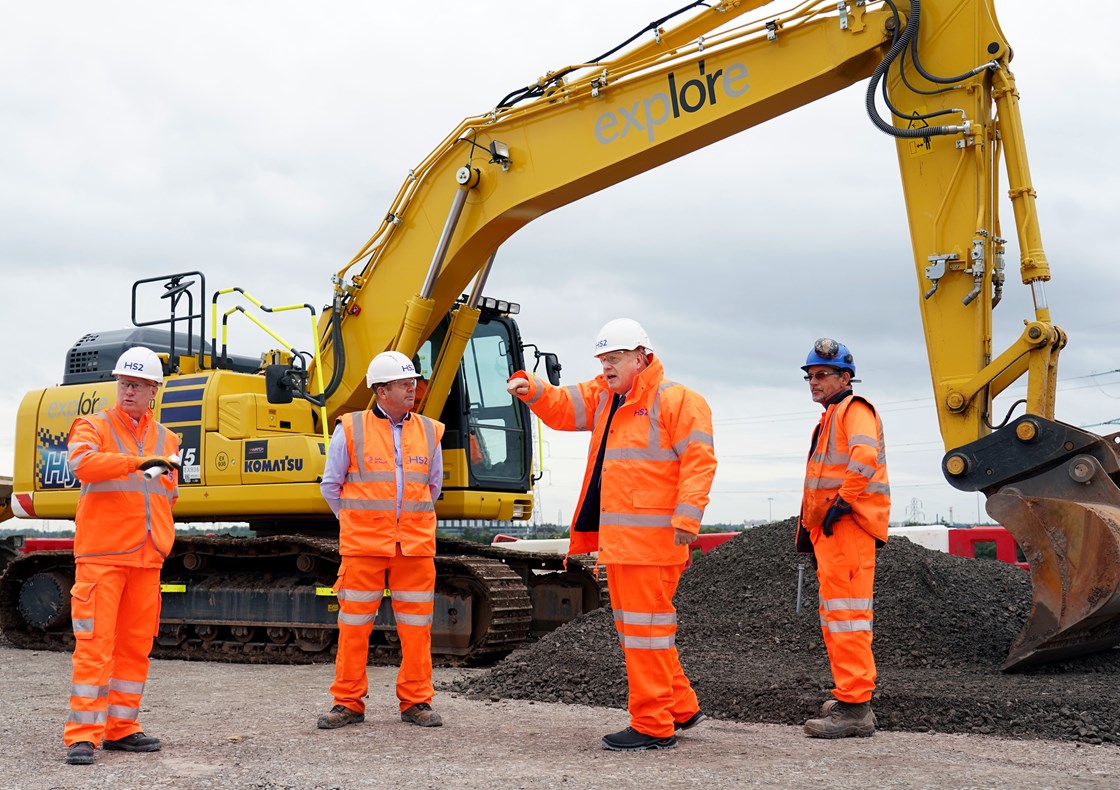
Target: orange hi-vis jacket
119, 509
849, 460
368, 509
657, 468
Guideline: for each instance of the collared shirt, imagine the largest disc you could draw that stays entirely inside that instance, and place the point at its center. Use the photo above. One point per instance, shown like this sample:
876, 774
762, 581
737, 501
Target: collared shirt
338, 464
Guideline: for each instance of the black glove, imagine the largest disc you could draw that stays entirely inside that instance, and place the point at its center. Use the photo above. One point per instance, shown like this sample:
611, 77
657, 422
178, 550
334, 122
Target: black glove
166, 463
838, 509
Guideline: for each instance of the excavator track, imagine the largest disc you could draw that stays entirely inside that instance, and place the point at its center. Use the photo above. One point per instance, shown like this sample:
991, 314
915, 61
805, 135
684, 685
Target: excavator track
268, 600
1054, 487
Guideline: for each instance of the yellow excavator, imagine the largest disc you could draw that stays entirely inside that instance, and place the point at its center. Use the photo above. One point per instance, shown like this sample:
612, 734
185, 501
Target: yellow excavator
938, 82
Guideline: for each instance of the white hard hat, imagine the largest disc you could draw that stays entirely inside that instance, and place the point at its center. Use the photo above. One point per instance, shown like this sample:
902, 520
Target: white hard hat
390, 366
622, 334
140, 363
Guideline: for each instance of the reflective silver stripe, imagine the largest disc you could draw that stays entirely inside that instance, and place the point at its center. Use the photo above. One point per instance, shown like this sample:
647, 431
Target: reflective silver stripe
88, 691
653, 439
700, 437
602, 405
75, 453
413, 596
824, 482
862, 438
433, 442
416, 477
346, 618
86, 716
646, 618
371, 477
408, 506
579, 408
832, 458
689, 511
83, 625
389, 505
847, 604
413, 619
845, 626
863, 470
129, 484
648, 642
360, 596
540, 391
121, 712
126, 686
639, 454
358, 434
878, 488
635, 520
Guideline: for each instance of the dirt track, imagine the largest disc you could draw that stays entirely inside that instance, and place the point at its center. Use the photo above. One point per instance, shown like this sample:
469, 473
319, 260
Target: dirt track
242, 726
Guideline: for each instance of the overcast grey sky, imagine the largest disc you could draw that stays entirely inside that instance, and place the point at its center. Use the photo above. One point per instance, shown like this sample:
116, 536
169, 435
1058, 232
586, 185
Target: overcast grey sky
261, 142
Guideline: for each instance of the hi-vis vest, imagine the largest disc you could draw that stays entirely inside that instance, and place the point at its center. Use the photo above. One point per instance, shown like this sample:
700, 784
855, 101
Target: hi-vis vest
849, 460
115, 516
657, 468
368, 525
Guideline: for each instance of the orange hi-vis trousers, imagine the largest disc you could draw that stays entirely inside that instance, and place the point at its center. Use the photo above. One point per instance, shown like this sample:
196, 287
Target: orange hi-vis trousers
361, 584
115, 614
642, 599
846, 572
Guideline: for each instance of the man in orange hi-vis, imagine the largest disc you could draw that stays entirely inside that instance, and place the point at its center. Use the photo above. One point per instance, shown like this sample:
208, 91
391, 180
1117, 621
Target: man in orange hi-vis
650, 466
126, 463
844, 512
382, 477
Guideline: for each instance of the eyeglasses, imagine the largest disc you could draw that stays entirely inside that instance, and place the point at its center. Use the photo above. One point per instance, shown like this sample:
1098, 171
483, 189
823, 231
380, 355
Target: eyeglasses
615, 359
821, 375
134, 385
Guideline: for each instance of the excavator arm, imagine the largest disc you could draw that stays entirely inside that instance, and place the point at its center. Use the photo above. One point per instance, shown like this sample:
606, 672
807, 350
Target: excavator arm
939, 83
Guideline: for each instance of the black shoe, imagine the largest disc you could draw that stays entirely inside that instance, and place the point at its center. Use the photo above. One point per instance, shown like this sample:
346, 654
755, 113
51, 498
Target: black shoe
630, 740
690, 722
137, 742
80, 753
339, 716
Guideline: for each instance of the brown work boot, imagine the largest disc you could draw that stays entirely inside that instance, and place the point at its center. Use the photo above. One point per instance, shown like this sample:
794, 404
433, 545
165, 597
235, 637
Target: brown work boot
422, 715
339, 716
829, 704
842, 720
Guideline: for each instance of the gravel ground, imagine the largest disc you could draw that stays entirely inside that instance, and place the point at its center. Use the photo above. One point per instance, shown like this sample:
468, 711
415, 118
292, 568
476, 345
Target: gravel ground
943, 626
948, 717
252, 727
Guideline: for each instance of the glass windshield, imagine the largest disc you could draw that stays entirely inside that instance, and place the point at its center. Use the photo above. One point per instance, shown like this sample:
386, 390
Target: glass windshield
496, 431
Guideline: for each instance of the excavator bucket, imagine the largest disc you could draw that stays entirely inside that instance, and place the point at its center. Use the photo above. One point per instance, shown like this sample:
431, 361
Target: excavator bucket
1054, 487
1073, 549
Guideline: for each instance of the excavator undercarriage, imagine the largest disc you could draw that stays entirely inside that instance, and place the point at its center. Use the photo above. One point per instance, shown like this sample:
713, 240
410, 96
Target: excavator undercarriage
269, 600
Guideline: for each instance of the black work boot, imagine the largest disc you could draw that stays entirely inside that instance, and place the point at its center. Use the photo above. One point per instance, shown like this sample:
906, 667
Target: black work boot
339, 716
80, 753
630, 740
137, 742
690, 722
842, 720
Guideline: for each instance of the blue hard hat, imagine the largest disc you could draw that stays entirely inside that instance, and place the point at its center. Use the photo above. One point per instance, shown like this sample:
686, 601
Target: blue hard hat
832, 353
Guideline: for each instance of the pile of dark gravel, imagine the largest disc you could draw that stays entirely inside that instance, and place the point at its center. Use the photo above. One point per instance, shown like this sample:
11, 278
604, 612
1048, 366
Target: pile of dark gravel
943, 627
